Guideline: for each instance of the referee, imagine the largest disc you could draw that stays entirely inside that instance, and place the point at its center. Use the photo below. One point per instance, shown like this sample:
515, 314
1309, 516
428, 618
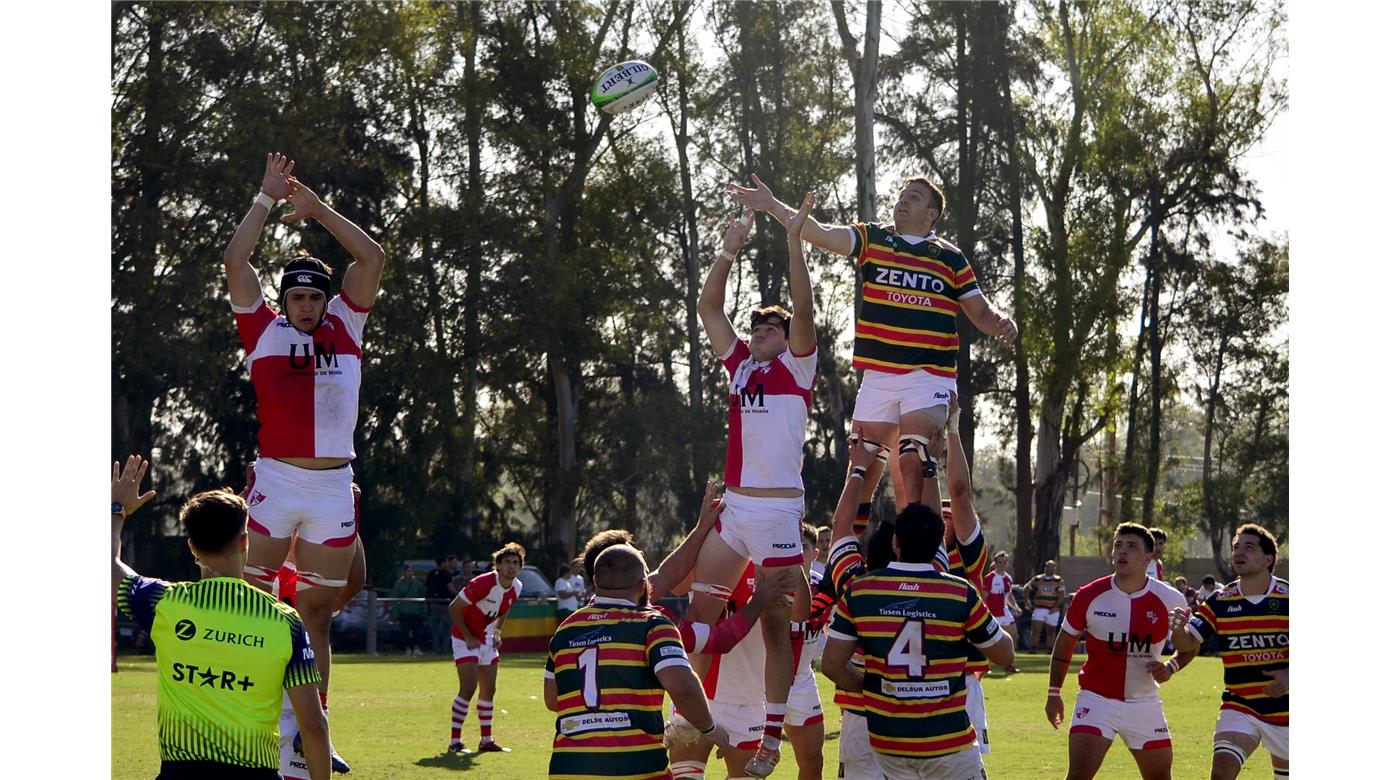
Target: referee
225, 650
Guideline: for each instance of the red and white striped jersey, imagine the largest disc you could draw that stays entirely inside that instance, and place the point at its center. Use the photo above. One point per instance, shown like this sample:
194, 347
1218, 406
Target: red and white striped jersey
308, 386
1155, 568
1123, 633
768, 405
996, 588
488, 601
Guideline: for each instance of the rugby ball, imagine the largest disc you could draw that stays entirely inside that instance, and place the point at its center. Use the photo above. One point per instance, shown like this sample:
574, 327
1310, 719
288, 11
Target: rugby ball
623, 87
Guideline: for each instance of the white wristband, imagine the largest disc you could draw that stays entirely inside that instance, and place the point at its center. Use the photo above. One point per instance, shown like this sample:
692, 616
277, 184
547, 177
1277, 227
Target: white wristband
1053, 691
727, 255
1175, 667
264, 200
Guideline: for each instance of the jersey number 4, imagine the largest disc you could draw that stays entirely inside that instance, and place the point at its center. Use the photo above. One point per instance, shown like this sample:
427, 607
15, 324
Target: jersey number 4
908, 649
588, 666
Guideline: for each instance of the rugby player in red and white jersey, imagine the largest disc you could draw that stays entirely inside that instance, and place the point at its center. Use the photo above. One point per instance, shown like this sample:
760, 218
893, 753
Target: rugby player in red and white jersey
477, 613
1125, 619
770, 391
996, 590
1155, 569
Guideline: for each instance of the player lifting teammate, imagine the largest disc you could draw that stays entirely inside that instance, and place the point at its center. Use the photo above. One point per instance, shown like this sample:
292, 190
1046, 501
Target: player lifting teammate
477, 613
1125, 619
770, 392
305, 366
1250, 615
912, 284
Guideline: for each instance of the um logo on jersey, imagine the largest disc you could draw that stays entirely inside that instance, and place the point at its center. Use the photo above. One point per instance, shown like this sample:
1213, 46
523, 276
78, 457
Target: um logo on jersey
744, 398
325, 356
1133, 643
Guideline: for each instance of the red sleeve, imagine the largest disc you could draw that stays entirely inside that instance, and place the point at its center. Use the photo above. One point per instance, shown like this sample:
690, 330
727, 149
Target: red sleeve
727, 633
252, 324
1077, 616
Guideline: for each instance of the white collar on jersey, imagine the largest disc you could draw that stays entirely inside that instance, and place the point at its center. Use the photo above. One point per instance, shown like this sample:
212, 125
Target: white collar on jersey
902, 566
744, 371
605, 601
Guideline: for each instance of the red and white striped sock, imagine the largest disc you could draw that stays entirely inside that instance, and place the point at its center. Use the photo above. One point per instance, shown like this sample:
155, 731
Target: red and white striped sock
773, 719
483, 713
459, 714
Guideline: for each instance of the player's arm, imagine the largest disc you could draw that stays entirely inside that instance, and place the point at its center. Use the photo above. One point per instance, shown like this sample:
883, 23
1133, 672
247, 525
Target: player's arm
676, 568
843, 522
732, 629
710, 307
459, 620
244, 289
1060, 658
1182, 636
315, 735
1278, 686
833, 238
837, 666
988, 319
126, 490
685, 691
361, 282
551, 694
959, 480
802, 338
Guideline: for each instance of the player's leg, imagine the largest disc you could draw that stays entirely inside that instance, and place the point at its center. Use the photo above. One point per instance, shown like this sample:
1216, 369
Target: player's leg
717, 571
1154, 764
877, 411
323, 572
1280, 768
1231, 750
466, 689
1144, 729
688, 759
807, 744
486, 701
1086, 754
1037, 628
355, 580
857, 760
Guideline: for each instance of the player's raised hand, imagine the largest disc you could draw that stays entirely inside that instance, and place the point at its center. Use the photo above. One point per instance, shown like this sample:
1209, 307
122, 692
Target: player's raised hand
276, 176
710, 507
1278, 686
738, 232
863, 452
305, 202
772, 587
126, 483
1180, 617
1055, 709
757, 198
796, 221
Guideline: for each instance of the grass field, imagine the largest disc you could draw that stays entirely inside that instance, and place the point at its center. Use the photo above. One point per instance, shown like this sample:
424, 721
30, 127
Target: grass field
390, 718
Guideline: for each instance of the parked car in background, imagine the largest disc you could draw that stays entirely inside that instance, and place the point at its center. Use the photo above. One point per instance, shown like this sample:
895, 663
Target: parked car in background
349, 628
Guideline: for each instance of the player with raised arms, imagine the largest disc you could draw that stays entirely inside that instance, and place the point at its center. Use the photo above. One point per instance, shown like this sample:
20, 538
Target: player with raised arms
1250, 615
1124, 618
770, 392
305, 365
912, 285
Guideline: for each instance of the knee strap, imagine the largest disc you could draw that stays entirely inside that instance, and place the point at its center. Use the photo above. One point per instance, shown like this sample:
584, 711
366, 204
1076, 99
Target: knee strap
916, 445
688, 770
713, 591
882, 453
308, 579
1229, 748
261, 574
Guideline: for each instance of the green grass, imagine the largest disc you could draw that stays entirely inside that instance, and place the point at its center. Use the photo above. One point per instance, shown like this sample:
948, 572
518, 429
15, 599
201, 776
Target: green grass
390, 717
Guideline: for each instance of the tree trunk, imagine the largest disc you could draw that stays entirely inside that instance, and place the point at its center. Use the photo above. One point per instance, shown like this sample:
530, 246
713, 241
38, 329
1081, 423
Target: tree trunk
1212, 525
1156, 339
469, 22
563, 499
1128, 487
691, 244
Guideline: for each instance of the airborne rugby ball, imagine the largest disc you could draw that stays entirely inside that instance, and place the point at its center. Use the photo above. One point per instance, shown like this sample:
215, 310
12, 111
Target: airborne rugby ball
624, 86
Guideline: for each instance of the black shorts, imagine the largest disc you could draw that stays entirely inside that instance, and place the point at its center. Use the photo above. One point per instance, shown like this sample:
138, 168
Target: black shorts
213, 770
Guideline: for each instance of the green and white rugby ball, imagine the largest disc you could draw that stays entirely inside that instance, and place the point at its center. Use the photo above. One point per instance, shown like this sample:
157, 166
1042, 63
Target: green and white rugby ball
624, 86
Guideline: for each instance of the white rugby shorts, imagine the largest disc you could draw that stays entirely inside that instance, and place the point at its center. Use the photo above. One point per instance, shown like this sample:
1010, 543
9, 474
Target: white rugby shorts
485, 653
315, 504
291, 764
1273, 738
804, 704
977, 712
963, 765
857, 759
1006, 620
1142, 723
1044, 615
766, 530
883, 397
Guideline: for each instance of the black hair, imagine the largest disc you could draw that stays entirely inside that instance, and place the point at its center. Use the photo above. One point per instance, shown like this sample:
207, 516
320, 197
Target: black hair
1139, 530
919, 530
600, 542
214, 519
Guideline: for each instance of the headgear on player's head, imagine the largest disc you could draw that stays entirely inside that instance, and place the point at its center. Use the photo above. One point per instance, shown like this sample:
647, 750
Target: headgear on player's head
305, 273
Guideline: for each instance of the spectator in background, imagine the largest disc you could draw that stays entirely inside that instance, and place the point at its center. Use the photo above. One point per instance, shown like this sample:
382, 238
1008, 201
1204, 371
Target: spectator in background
412, 611
439, 594
1159, 551
1207, 589
580, 587
565, 590
1186, 590
461, 574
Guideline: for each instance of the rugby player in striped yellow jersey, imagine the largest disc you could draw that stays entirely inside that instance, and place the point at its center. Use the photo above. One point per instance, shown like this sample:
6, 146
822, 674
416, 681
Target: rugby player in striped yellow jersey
912, 286
609, 665
1250, 615
913, 623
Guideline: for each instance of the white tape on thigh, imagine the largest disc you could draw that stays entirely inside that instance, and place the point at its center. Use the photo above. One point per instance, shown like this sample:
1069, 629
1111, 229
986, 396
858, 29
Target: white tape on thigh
713, 591
307, 579
688, 770
260, 573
